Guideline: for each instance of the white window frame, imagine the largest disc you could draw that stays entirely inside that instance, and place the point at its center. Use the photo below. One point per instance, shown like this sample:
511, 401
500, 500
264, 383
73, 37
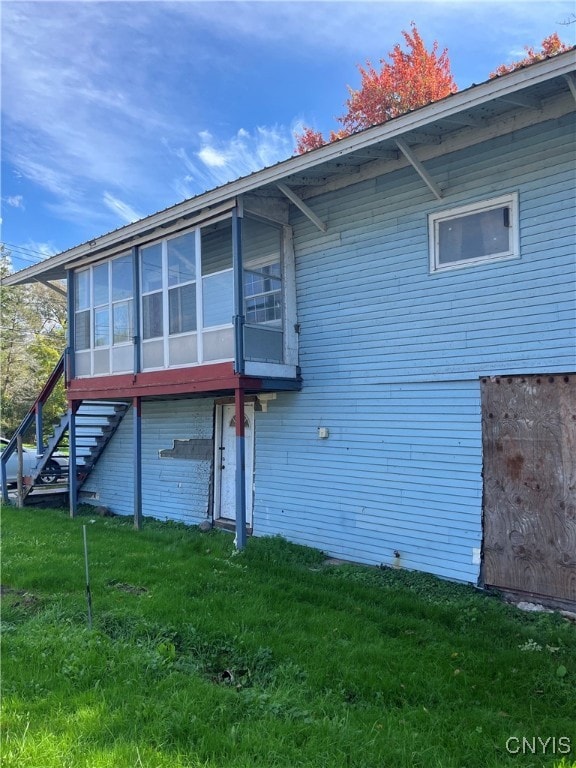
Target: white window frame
255, 267
109, 306
434, 219
201, 329
164, 292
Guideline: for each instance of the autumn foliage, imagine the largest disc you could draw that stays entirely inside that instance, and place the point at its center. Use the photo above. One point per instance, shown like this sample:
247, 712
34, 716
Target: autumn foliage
410, 79
551, 46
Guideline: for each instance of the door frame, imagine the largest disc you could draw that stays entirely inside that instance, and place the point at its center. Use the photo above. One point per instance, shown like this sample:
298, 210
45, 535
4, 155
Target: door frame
250, 451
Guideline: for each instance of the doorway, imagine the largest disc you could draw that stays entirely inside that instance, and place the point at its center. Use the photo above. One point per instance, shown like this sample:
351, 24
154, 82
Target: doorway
225, 462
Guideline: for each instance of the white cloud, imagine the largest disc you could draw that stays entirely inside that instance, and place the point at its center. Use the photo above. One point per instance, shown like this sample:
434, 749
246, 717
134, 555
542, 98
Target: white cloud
14, 201
220, 160
44, 175
44, 250
76, 115
244, 152
125, 212
212, 158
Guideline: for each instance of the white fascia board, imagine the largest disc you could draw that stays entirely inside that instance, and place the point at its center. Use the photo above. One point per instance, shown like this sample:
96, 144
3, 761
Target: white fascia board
561, 65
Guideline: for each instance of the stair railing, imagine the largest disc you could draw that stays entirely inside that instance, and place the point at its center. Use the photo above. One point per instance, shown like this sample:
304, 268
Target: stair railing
34, 414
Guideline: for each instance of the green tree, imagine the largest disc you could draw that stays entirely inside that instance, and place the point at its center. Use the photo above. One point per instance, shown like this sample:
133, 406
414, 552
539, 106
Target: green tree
32, 338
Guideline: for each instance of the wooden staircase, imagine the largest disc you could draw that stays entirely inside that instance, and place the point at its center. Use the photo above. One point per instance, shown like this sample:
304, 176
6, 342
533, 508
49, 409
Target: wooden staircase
95, 423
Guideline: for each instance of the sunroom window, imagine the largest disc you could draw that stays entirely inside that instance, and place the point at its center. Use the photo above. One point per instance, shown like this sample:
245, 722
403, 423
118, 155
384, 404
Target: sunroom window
263, 297
181, 284
473, 234
217, 292
187, 298
103, 321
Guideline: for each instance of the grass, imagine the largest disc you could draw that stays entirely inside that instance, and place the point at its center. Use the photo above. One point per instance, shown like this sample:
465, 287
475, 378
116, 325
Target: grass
200, 657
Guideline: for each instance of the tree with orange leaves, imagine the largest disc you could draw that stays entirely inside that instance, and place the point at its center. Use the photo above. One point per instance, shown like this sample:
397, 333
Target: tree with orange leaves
409, 80
551, 46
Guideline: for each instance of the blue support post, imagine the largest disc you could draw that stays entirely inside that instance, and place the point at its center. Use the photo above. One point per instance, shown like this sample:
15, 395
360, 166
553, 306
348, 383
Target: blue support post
136, 306
70, 362
3, 482
137, 440
239, 317
240, 540
39, 427
72, 470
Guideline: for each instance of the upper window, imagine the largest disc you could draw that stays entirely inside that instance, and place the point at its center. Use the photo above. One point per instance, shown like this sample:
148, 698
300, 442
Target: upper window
262, 274
188, 298
104, 317
474, 234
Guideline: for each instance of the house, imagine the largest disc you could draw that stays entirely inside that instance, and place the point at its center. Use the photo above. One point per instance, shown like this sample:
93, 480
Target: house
369, 348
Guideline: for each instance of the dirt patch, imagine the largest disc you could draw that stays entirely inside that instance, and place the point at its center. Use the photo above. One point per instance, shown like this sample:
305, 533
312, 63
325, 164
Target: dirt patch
19, 598
130, 588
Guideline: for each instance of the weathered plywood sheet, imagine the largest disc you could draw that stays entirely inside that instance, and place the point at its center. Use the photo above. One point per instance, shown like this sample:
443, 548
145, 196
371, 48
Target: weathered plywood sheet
529, 442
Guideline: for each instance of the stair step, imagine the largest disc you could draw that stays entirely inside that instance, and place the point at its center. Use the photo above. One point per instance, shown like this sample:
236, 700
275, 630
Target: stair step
91, 431
93, 420
98, 409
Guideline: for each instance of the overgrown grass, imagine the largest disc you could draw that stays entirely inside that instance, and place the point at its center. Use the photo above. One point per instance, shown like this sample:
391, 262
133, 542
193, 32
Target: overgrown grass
200, 657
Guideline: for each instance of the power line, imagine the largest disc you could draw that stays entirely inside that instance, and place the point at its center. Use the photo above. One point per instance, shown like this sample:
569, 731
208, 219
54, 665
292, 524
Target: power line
25, 249
25, 258
23, 254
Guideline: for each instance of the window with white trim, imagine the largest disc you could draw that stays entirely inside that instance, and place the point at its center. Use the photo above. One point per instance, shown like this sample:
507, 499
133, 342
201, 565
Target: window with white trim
104, 317
262, 274
263, 292
474, 234
187, 287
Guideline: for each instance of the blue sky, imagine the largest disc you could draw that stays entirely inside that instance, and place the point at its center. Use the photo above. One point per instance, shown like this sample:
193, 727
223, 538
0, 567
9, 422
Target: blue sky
114, 110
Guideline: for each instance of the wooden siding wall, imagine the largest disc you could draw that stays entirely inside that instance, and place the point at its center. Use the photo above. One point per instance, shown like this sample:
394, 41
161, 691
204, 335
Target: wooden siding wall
399, 472
391, 356
172, 489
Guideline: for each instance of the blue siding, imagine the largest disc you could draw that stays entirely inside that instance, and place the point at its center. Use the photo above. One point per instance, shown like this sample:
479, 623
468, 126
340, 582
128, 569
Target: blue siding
173, 489
400, 470
367, 300
391, 355
391, 358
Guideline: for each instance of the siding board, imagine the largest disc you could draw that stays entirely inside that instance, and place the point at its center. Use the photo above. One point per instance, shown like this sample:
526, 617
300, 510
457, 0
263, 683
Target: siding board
391, 355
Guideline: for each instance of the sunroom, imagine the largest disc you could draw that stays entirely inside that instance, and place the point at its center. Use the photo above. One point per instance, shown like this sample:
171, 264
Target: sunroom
217, 294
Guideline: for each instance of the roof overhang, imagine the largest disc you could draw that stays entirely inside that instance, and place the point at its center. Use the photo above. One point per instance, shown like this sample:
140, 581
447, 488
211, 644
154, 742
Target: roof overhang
527, 88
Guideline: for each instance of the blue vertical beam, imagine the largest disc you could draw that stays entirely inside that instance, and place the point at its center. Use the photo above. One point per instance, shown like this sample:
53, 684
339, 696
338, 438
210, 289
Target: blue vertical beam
72, 469
69, 366
240, 540
238, 291
3, 482
136, 291
39, 427
69, 373
137, 446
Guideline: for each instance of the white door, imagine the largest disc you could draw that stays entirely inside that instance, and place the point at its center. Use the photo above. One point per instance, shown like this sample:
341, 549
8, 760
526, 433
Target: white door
225, 462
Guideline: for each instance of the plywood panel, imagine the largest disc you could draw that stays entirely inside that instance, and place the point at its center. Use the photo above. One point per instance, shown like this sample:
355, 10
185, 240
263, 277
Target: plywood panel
529, 442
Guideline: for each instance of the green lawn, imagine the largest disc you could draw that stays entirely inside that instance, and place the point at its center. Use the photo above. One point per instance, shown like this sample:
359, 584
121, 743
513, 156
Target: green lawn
200, 657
